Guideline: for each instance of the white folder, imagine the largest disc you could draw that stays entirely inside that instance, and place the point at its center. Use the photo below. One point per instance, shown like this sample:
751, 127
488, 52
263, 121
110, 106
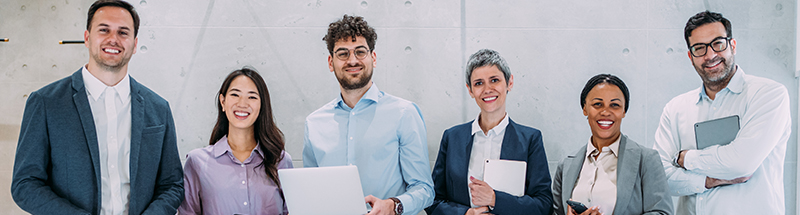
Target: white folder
505, 175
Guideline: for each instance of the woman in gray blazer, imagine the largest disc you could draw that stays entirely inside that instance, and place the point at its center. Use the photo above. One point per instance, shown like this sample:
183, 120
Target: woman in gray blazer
611, 174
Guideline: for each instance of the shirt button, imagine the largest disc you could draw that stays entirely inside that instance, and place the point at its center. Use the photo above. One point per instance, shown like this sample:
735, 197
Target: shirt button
353, 113
351, 138
242, 182
242, 165
245, 203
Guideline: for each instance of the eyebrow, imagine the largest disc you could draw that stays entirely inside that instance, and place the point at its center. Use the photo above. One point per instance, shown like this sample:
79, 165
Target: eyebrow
237, 90
106, 25
712, 40
343, 48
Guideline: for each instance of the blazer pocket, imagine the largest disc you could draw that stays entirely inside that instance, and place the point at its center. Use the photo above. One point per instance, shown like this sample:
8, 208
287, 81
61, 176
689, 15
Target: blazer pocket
154, 129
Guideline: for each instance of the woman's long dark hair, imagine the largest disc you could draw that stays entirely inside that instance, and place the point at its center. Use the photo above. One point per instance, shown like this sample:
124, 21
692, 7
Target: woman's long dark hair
269, 137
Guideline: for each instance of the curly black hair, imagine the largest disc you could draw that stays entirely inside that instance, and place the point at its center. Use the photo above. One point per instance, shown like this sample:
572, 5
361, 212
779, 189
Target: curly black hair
350, 27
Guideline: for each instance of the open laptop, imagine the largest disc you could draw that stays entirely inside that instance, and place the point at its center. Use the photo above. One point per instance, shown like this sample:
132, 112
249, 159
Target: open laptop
716, 131
323, 190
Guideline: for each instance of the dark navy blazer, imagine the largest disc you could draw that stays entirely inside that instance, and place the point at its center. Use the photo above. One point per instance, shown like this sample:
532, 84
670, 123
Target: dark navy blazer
57, 168
520, 143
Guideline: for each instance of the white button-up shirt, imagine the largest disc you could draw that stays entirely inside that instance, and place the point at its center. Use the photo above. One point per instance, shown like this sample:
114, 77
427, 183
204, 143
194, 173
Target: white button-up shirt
758, 150
111, 110
484, 146
597, 183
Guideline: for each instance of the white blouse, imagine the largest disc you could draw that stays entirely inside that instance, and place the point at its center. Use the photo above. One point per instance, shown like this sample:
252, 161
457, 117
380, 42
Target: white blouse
597, 183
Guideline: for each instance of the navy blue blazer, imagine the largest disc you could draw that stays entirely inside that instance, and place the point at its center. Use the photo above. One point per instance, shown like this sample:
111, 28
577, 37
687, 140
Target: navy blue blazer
57, 168
520, 143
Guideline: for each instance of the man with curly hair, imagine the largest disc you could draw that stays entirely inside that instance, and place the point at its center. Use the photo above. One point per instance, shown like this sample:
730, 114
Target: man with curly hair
383, 135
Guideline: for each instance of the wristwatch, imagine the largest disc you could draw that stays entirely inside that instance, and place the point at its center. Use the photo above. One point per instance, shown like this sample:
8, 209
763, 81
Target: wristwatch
398, 206
675, 159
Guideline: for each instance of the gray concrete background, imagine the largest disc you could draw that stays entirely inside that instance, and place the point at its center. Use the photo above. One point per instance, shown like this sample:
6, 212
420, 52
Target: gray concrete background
187, 47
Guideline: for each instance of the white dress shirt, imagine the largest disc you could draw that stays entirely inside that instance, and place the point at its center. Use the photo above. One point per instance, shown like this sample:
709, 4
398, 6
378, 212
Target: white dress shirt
484, 146
758, 150
597, 183
111, 110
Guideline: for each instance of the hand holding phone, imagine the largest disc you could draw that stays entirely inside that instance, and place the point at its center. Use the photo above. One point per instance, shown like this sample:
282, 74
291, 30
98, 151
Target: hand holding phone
577, 206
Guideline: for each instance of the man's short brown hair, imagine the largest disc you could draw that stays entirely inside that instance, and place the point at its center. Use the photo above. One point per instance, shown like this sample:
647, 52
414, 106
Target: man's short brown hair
113, 3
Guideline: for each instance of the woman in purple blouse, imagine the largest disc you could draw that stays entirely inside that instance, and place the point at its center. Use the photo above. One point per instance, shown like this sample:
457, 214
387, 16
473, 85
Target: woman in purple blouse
238, 172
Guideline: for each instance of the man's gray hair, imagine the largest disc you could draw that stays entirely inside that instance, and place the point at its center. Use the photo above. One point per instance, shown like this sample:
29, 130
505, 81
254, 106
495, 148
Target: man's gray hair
487, 57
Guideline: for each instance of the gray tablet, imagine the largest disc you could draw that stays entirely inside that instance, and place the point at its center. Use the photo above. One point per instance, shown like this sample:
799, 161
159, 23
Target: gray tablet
716, 131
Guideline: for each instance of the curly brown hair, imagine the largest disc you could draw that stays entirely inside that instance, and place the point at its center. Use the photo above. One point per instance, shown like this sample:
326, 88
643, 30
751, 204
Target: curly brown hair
350, 27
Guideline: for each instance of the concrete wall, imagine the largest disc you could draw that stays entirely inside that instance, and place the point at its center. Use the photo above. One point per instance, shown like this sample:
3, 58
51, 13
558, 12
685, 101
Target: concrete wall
187, 47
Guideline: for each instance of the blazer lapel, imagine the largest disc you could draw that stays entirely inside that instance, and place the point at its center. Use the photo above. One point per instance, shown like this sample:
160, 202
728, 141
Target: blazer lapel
137, 124
460, 181
87, 121
572, 169
512, 149
627, 172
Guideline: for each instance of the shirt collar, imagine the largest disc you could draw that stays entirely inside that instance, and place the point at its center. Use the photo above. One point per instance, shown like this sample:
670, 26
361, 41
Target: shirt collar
614, 147
373, 94
735, 85
497, 130
221, 146
95, 87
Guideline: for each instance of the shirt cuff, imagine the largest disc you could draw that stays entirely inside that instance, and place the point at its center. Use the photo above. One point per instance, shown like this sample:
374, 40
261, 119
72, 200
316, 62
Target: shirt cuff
691, 162
408, 206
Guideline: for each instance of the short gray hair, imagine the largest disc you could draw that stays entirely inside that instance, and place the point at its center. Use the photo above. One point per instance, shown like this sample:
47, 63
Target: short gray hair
487, 57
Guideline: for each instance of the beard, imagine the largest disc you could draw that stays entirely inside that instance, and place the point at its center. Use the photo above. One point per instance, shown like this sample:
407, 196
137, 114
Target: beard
361, 80
723, 74
110, 65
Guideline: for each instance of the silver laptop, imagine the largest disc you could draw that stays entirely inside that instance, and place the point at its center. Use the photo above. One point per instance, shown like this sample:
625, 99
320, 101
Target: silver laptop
323, 190
716, 131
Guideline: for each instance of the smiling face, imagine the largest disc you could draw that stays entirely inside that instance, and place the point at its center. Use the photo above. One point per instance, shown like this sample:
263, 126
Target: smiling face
352, 73
714, 67
110, 40
241, 103
489, 88
604, 109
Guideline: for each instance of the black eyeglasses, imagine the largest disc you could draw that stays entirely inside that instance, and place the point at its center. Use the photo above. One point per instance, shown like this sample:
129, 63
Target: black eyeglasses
344, 54
719, 44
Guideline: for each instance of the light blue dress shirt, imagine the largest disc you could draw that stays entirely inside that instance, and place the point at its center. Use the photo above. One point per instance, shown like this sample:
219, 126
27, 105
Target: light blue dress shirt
758, 150
384, 136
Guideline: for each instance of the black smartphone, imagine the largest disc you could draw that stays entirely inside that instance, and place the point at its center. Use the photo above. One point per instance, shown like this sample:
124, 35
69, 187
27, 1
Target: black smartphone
577, 206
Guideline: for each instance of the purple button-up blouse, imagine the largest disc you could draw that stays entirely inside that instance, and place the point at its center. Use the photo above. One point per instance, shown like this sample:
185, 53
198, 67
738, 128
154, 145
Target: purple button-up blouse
218, 183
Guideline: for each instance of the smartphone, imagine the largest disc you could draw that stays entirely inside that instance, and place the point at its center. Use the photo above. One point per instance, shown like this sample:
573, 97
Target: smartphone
577, 206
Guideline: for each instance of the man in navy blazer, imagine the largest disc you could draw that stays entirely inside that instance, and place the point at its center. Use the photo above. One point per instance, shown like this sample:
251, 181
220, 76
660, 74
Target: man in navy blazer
66, 165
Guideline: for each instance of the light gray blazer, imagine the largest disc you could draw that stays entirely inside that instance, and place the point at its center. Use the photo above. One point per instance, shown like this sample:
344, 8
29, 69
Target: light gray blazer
641, 183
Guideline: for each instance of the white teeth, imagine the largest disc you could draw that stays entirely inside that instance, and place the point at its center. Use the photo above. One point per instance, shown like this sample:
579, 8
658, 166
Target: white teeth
241, 114
490, 99
605, 122
114, 51
715, 64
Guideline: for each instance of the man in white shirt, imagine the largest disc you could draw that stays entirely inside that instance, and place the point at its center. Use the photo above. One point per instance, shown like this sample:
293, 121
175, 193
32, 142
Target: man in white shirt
746, 175
98, 142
